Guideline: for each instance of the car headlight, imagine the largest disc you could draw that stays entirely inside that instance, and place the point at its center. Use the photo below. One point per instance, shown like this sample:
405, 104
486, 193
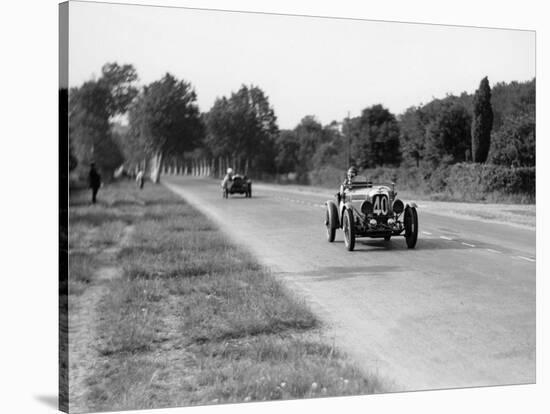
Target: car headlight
398, 206
366, 207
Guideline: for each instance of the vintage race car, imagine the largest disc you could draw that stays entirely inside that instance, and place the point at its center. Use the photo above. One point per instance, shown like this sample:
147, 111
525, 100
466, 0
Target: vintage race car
237, 184
362, 209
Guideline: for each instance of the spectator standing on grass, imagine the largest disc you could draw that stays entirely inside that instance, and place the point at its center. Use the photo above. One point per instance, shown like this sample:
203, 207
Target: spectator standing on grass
95, 181
140, 179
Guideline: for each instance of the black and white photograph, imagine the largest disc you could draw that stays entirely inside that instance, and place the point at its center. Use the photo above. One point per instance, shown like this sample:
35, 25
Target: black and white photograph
262, 206
267, 207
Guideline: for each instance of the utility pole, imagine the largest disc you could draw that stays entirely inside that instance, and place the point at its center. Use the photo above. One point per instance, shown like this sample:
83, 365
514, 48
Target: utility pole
348, 133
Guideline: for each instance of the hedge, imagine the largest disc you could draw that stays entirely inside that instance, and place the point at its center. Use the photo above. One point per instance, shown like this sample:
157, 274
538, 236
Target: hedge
463, 181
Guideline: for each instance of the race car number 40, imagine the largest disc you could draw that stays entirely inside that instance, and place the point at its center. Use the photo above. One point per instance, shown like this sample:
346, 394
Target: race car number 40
380, 205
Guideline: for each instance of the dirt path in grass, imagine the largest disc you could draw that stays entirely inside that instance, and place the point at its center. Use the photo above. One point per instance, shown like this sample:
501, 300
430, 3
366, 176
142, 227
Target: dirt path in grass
83, 319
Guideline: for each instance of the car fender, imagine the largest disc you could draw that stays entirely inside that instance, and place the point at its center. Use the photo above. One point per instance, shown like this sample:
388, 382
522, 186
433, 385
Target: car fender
333, 211
345, 206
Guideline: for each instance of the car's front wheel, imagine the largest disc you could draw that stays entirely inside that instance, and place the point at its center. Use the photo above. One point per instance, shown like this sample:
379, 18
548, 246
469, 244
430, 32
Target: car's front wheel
349, 230
411, 227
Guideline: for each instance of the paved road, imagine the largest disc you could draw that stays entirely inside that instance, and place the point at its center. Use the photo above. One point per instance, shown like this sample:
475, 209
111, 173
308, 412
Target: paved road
457, 311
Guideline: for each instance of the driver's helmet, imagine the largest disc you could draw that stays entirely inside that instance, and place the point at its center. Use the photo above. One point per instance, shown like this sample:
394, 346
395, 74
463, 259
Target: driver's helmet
229, 171
352, 172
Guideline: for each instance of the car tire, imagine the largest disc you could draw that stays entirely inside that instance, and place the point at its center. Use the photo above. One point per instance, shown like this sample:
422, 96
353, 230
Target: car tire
331, 216
250, 192
411, 227
349, 230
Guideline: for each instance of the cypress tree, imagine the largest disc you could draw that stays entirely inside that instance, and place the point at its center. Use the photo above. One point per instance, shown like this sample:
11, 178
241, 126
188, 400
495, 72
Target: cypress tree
482, 122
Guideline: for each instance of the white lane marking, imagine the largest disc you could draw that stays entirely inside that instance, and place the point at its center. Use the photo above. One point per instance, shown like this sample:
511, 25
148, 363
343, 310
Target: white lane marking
468, 244
445, 238
526, 258
427, 232
493, 251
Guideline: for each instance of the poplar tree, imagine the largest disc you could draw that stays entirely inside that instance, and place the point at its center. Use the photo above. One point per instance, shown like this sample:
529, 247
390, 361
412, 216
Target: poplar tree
482, 122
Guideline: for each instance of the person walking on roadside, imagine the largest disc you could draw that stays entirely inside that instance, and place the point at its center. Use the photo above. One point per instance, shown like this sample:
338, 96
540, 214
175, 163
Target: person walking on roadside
140, 179
94, 180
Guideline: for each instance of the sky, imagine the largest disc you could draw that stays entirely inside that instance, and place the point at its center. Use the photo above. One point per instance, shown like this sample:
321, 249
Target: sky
306, 65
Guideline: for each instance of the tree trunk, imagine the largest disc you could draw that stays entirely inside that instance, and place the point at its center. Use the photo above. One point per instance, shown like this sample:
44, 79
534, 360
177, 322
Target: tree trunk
156, 167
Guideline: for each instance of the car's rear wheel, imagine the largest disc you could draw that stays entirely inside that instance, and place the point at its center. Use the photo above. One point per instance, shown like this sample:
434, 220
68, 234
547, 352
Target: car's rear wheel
411, 227
349, 230
331, 215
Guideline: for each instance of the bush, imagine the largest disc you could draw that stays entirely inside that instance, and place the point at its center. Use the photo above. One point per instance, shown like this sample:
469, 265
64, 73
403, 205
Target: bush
489, 178
328, 176
462, 181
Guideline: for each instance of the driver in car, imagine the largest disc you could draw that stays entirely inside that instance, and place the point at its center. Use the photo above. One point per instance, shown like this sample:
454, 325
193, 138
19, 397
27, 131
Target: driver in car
350, 175
228, 177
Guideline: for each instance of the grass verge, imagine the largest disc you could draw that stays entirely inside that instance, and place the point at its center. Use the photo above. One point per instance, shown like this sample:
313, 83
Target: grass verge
193, 319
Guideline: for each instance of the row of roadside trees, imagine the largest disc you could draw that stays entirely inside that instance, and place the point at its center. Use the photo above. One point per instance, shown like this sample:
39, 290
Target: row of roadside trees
166, 127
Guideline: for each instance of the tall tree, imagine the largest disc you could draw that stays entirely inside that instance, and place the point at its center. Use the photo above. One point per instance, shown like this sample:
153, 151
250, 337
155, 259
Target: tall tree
287, 148
91, 107
513, 145
242, 128
448, 136
482, 122
310, 135
333, 150
378, 140
165, 120
511, 99
412, 135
